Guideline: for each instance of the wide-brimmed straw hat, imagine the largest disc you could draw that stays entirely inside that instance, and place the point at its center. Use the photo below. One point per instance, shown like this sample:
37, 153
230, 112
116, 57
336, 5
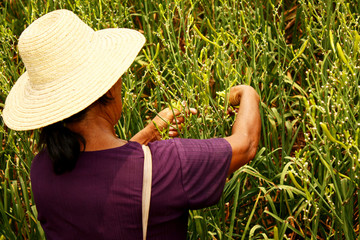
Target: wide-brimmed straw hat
68, 67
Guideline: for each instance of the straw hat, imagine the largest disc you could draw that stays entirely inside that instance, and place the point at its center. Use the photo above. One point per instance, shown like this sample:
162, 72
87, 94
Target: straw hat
68, 67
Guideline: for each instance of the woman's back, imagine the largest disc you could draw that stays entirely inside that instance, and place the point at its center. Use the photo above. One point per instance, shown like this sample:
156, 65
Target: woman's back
101, 197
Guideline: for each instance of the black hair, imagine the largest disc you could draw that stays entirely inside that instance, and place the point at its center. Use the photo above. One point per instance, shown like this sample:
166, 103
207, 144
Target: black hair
62, 144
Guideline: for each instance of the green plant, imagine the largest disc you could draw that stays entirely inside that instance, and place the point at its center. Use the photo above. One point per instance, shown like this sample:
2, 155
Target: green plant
300, 56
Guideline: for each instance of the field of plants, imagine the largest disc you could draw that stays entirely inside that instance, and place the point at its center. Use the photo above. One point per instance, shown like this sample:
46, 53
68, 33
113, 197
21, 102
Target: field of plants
301, 56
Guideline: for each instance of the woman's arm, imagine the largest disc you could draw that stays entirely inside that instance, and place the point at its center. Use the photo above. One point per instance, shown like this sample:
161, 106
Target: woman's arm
245, 135
245, 131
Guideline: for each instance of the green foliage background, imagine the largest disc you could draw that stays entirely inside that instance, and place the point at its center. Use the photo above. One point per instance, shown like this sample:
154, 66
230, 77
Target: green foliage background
301, 57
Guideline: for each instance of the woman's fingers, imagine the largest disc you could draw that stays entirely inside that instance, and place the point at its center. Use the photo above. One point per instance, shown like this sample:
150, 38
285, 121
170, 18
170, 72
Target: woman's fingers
175, 127
231, 111
173, 134
178, 120
181, 119
193, 111
179, 110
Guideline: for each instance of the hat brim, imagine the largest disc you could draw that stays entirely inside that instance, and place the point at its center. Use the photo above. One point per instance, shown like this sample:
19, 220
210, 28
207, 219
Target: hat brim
113, 52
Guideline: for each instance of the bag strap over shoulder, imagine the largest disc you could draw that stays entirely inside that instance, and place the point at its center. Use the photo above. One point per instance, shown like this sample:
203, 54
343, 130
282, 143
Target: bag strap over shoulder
146, 189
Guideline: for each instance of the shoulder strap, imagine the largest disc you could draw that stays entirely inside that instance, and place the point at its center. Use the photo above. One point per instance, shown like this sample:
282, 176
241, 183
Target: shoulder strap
146, 189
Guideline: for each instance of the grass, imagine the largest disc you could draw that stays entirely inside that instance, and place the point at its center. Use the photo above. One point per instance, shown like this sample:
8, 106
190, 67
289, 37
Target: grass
302, 57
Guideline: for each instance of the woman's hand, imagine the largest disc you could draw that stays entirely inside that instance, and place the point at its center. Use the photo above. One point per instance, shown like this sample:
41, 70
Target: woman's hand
166, 119
170, 118
237, 92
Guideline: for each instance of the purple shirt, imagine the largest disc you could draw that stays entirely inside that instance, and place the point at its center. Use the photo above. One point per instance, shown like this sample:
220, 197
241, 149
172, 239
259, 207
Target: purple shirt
101, 197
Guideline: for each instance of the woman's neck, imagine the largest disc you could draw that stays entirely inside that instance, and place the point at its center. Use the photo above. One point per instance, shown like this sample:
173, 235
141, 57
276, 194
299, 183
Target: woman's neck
98, 132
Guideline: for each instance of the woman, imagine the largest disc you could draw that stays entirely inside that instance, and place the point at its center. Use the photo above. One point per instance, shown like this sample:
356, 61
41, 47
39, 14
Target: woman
87, 183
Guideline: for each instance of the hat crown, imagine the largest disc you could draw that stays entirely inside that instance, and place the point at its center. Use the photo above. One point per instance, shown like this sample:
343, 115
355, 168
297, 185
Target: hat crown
53, 46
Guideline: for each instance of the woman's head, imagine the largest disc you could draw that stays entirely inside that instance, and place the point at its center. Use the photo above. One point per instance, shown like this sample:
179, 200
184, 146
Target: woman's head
68, 67
71, 70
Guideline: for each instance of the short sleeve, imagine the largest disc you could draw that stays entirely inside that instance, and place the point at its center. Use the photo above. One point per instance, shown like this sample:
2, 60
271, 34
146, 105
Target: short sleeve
204, 167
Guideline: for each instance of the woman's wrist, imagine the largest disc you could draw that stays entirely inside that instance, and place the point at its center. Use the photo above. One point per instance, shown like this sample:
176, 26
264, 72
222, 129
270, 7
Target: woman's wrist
146, 135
